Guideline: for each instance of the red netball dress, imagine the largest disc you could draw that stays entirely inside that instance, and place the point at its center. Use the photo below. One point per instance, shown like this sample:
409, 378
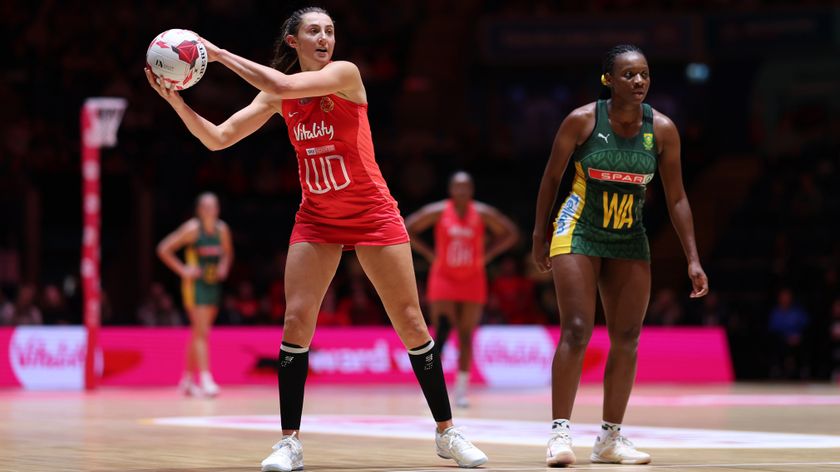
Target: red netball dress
344, 198
458, 272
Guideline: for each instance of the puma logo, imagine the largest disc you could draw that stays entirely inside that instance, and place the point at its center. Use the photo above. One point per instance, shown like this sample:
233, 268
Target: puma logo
600, 135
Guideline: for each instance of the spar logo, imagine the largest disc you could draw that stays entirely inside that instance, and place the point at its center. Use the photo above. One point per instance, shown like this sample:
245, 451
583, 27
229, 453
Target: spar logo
514, 355
209, 251
49, 358
625, 177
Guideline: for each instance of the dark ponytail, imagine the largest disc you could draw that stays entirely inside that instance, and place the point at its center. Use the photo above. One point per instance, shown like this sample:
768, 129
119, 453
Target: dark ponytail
285, 57
609, 62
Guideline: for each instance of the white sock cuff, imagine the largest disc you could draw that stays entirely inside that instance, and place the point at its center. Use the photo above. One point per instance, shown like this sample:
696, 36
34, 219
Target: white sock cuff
607, 426
292, 349
422, 349
561, 423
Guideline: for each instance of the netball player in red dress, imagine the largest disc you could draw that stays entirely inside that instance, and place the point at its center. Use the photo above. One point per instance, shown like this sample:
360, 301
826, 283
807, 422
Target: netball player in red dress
457, 286
345, 204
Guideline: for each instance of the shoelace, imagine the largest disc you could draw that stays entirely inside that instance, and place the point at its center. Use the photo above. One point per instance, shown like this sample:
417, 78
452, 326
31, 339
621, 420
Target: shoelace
561, 434
624, 442
285, 442
456, 439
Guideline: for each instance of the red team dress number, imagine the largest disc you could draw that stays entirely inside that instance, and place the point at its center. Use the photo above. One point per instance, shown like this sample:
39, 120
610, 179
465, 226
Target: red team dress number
459, 254
326, 173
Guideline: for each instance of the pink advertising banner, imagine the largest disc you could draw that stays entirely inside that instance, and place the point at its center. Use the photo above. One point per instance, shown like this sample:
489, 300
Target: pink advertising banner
504, 356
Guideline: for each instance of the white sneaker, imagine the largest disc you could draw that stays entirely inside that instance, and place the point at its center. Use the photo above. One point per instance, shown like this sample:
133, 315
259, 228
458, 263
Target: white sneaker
208, 386
461, 399
462, 382
287, 456
451, 444
559, 453
614, 448
188, 388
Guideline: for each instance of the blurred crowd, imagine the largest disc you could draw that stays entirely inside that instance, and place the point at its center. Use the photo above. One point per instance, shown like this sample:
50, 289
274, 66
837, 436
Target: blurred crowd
515, 298
46, 306
774, 270
785, 244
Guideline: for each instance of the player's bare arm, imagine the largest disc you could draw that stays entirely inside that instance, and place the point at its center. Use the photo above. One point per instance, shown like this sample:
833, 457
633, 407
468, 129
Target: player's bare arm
504, 230
226, 259
186, 234
215, 137
420, 221
571, 133
677, 200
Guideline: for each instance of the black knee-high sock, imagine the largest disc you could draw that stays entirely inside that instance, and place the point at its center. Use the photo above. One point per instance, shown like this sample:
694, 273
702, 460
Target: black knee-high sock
429, 372
442, 333
291, 378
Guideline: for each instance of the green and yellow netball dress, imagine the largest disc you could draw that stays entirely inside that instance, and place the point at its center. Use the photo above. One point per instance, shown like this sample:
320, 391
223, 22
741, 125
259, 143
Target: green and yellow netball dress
602, 216
204, 253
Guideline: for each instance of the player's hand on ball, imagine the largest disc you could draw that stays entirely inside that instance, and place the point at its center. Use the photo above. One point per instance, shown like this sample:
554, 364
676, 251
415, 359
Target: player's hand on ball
699, 281
170, 95
212, 50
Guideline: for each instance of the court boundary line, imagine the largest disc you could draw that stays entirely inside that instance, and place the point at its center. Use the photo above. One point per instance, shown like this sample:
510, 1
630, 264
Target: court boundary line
638, 466
207, 422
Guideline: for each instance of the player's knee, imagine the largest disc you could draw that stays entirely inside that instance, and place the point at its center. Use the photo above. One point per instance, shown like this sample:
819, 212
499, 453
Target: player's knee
200, 329
576, 334
627, 338
415, 318
411, 319
465, 338
200, 332
297, 322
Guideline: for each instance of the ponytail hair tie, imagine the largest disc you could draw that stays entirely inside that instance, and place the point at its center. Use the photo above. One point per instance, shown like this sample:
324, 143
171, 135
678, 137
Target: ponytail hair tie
603, 80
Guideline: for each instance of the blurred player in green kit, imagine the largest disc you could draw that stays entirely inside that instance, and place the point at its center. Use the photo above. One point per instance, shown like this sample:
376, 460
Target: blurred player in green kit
208, 255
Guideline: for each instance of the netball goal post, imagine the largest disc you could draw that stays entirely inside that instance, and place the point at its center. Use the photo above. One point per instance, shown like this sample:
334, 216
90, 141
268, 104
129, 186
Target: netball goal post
100, 120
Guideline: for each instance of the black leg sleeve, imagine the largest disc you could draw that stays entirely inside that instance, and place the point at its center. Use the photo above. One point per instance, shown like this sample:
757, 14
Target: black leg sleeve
425, 361
291, 378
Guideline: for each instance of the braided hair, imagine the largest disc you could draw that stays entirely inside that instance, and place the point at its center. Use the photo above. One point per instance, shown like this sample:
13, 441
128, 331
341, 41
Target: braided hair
608, 63
285, 57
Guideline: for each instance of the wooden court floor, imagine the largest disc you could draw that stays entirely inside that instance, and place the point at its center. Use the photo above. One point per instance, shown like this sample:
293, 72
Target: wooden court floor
387, 429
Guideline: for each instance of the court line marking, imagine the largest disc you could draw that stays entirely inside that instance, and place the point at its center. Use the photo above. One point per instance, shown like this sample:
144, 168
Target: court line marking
641, 466
529, 433
692, 400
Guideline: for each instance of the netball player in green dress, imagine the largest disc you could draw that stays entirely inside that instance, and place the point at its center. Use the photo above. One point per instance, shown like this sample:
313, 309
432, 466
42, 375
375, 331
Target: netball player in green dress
208, 255
599, 245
